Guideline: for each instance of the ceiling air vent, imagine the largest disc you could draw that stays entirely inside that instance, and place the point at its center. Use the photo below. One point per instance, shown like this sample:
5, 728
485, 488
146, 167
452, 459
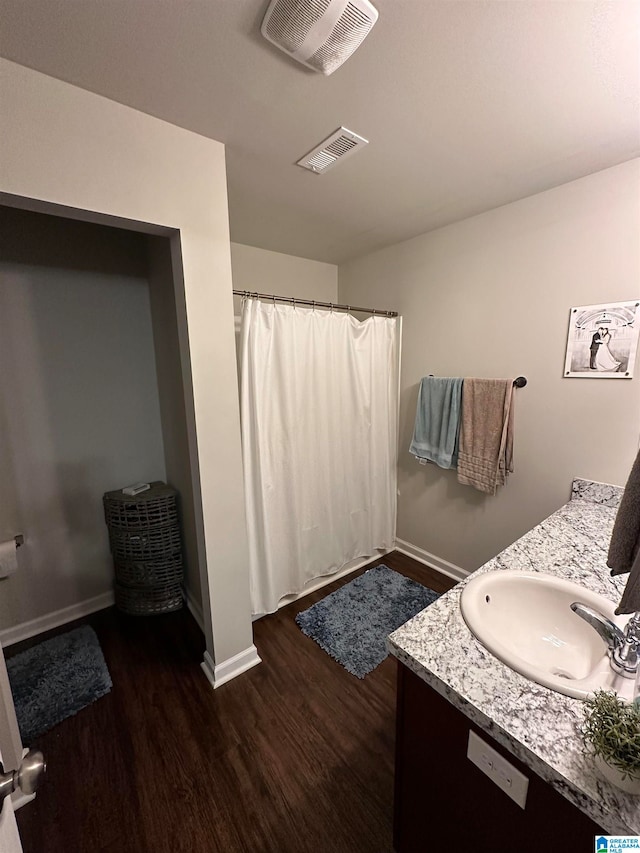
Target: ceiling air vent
341, 144
322, 34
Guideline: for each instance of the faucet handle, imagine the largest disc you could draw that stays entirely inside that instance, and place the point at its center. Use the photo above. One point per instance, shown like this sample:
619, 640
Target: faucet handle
624, 647
632, 631
626, 658
609, 631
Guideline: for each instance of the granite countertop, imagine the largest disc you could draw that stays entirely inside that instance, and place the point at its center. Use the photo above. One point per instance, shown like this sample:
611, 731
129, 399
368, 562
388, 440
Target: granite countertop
537, 725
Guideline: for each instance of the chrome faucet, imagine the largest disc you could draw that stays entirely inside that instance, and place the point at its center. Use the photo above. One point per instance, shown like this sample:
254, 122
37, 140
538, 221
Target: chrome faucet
623, 646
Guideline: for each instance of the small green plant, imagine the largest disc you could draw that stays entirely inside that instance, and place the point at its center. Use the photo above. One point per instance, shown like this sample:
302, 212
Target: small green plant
611, 730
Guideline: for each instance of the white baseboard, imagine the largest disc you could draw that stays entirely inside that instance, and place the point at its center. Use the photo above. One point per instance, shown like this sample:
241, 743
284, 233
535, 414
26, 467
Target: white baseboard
33, 627
437, 563
195, 609
325, 580
219, 674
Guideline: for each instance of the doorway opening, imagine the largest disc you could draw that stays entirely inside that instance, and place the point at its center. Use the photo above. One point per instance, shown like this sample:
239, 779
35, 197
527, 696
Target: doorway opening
94, 395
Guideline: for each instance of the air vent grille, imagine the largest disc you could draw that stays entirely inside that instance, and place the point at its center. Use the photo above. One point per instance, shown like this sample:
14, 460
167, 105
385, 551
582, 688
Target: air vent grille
341, 146
290, 22
320, 161
321, 34
347, 35
335, 148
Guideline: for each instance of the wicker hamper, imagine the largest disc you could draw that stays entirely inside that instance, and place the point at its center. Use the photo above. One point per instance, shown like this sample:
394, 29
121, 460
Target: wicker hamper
156, 507
147, 602
144, 534
145, 544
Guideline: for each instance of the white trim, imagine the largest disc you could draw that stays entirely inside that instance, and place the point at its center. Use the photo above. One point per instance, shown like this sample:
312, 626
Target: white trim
8, 636
194, 607
325, 580
399, 353
219, 673
437, 563
19, 799
208, 667
10, 740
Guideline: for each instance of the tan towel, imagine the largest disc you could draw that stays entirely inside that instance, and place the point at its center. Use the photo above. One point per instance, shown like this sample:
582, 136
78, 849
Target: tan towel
486, 433
624, 548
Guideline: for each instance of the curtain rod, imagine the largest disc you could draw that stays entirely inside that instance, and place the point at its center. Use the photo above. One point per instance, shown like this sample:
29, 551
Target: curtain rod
314, 303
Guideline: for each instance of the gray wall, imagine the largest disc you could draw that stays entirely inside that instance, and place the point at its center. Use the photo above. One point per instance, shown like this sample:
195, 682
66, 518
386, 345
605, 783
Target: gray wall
490, 297
79, 408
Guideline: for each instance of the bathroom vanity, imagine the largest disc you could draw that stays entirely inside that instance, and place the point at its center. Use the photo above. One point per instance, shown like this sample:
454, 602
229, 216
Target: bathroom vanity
525, 737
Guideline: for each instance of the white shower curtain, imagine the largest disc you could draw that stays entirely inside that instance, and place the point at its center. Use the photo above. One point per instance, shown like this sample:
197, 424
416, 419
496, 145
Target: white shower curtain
319, 401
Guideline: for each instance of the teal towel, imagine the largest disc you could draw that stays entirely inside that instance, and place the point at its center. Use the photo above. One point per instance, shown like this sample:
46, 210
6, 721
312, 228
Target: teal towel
435, 435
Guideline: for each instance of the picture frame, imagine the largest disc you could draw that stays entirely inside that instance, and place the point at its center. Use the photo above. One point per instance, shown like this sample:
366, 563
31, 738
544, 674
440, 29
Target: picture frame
602, 340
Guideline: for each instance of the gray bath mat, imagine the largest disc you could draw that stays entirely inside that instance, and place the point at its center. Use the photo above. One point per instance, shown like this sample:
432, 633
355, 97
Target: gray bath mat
56, 679
352, 624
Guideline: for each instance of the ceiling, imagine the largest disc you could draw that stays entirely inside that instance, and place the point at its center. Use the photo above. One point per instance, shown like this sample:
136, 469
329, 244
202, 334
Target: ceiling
468, 105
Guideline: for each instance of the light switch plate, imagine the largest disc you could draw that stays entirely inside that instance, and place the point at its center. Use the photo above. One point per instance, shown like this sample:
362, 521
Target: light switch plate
514, 783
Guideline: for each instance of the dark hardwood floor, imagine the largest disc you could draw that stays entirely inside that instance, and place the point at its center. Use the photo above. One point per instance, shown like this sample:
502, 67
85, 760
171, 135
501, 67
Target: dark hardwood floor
295, 755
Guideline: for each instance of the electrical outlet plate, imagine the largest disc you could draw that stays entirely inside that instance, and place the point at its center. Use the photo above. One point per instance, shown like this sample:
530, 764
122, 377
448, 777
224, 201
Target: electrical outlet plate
514, 783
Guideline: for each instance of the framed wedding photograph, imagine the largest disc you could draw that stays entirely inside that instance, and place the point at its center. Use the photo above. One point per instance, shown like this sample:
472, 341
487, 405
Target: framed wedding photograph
603, 340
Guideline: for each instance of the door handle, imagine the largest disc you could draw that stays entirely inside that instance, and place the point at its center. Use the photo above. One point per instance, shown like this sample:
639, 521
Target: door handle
27, 777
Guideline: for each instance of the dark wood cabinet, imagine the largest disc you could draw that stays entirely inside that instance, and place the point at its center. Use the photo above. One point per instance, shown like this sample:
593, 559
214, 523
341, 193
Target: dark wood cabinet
444, 802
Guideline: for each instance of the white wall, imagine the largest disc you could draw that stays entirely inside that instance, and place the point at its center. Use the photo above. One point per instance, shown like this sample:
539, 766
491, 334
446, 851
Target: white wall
262, 271
66, 146
284, 275
490, 296
79, 402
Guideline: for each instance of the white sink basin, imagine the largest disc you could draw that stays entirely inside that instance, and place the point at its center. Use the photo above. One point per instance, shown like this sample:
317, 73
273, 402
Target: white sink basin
525, 619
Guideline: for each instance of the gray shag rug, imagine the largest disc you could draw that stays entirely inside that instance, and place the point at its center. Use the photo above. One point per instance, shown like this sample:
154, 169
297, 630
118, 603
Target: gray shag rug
56, 679
352, 624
